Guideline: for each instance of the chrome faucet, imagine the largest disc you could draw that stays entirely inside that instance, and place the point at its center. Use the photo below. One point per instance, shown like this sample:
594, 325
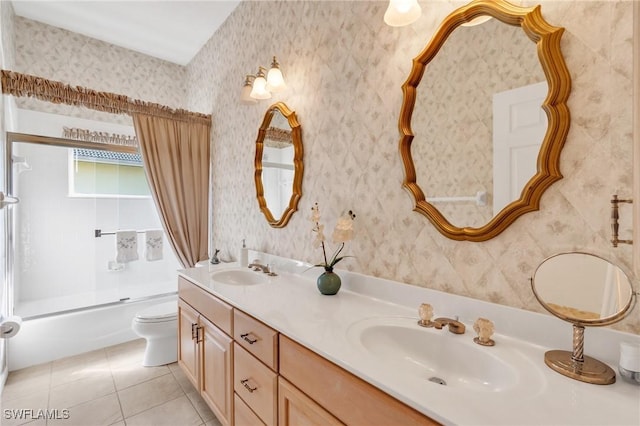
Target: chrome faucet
259, 267
455, 326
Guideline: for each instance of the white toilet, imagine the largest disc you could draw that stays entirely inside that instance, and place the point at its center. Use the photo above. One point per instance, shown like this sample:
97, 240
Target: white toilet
158, 324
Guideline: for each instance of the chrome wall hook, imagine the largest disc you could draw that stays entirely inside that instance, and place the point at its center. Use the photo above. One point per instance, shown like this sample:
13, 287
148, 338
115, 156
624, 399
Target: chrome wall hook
614, 220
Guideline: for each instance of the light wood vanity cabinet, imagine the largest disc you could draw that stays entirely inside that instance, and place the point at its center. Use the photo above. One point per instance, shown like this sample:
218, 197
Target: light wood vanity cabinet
187, 343
256, 367
243, 415
257, 385
257, 338
205, 351
295, 408
250, 375
347, 397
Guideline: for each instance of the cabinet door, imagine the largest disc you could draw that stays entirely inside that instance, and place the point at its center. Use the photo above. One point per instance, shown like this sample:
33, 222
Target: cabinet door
216, 376
295, 408
187, 343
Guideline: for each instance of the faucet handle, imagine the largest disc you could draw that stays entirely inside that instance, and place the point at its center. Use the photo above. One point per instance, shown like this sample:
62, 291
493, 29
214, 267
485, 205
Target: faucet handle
484, 328
426, 313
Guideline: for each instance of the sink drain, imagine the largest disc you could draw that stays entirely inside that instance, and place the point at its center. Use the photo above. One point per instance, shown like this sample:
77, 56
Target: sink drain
437, 380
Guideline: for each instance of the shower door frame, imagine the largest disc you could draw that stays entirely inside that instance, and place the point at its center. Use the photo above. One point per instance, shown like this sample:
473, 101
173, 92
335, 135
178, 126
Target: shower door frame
12, 137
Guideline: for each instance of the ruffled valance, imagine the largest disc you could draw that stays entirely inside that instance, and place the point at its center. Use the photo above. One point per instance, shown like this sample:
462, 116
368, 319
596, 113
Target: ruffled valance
24, 85
278, 138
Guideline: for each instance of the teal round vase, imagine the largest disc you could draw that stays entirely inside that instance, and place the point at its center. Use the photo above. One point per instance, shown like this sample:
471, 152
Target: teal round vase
329, 282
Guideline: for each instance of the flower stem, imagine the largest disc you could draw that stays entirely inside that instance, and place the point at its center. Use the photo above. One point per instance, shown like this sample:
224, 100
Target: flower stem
324, 253
335, 255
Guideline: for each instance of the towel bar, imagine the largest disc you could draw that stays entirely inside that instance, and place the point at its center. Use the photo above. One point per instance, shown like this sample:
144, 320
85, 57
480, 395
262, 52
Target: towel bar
99, 233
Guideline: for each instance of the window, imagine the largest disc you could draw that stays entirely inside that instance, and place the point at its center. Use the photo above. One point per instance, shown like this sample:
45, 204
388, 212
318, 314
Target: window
109, 174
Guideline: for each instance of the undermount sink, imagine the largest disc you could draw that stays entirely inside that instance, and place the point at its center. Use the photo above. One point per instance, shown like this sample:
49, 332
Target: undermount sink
239, 277
439, 356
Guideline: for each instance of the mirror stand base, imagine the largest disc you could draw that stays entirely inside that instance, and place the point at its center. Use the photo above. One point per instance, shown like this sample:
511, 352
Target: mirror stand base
590, 370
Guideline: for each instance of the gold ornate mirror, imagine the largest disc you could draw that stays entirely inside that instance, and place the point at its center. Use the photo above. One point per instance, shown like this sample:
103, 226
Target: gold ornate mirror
585, 290
458, 118
278, 164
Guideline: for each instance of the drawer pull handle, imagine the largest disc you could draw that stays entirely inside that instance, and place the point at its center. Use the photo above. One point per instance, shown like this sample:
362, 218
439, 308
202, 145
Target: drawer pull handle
247, 339
194, 331
248, 387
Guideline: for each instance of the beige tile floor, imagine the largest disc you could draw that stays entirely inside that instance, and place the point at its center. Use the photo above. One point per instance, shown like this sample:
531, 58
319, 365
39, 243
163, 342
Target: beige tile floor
104, 387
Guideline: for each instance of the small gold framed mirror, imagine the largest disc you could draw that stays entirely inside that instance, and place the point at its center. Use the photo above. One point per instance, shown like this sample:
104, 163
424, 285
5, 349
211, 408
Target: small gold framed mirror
278, 164
455, 122
585, 290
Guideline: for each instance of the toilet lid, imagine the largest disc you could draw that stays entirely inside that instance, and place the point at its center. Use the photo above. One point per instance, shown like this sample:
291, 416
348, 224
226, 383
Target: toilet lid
162, 311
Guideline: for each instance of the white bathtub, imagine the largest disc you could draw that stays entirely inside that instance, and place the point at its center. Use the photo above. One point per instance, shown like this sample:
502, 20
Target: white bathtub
46, 339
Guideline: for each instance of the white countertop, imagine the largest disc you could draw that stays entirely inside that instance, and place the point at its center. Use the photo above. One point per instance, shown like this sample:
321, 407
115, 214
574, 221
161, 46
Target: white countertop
291, 304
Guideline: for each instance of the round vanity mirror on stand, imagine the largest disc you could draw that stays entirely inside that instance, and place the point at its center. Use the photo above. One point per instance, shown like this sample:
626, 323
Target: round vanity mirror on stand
585, 290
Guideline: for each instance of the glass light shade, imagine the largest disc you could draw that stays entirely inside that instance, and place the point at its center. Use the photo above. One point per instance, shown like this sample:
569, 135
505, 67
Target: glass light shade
259, 90
275, 80
245, 95
402, 12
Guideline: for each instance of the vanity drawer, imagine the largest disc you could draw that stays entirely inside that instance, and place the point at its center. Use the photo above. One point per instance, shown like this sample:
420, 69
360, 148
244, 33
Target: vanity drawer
256, 384
347, 397
257, 338
295, 408
214, 309
243, 416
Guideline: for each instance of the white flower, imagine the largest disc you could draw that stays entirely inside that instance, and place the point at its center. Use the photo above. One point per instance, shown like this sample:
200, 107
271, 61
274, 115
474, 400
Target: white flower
343, 230
315, 215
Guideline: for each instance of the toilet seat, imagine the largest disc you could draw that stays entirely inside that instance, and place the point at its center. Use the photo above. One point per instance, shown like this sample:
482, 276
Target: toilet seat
162, 312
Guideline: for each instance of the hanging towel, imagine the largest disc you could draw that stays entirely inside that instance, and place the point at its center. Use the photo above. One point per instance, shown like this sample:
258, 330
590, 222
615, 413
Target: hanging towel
153, 244
126, 246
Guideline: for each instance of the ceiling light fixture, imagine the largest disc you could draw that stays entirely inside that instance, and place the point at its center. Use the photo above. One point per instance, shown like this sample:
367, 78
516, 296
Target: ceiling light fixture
402, 12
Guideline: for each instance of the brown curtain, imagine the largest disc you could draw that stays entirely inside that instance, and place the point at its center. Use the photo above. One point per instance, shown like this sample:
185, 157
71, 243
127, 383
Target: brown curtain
176, 160
175, 149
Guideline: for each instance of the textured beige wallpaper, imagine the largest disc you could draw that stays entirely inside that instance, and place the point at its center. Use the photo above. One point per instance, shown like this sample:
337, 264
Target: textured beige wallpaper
344, 69
8, 34
72, 58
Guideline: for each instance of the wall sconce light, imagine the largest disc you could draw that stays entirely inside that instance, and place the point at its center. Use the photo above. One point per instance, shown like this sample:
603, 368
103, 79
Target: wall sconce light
402, 12
262, 85
275, 80
259, 90
245, 95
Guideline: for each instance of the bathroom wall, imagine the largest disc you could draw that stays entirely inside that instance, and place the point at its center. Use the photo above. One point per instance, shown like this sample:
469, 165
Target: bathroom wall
72, 58
345, 69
